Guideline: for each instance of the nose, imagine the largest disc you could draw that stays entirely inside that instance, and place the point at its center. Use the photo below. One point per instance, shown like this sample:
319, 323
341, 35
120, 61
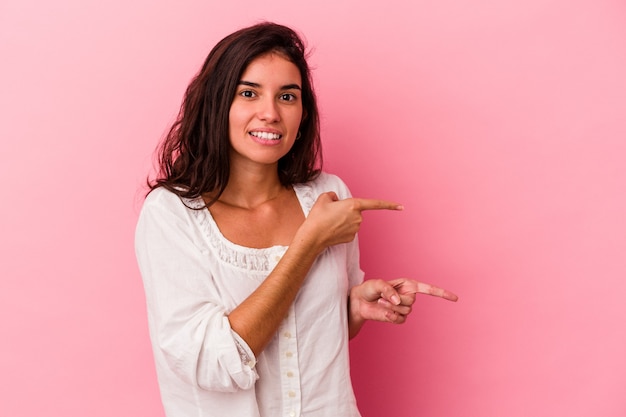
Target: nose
268, 111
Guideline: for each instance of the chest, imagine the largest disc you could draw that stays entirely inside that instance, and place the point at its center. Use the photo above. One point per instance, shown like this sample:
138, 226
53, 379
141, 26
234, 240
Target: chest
272, 224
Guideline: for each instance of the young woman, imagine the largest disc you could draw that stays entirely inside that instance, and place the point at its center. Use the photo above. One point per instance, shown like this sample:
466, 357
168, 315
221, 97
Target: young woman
248, 251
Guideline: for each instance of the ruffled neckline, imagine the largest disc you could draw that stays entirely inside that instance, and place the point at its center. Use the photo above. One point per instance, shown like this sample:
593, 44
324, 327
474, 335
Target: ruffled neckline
238, 256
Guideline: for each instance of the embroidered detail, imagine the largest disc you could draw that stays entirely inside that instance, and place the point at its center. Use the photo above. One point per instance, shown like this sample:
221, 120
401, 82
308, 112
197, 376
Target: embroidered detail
243, 354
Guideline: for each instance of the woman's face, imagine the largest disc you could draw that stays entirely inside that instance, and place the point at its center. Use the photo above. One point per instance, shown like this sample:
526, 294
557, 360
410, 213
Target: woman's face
266, 112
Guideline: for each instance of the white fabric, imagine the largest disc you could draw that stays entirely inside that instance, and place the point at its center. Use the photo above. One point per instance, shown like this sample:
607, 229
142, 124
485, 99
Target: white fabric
193, 277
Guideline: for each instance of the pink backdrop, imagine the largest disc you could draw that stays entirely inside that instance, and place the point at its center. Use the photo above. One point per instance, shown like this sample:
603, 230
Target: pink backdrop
501, 126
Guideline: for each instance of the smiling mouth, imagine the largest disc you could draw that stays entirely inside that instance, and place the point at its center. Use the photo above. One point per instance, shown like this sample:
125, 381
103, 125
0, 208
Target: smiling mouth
266, 135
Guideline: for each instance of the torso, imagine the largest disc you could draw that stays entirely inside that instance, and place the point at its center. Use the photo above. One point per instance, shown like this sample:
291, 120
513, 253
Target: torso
215, 276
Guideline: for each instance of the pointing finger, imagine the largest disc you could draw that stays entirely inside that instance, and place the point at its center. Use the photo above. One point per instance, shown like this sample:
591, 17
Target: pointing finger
372, 204
423, 288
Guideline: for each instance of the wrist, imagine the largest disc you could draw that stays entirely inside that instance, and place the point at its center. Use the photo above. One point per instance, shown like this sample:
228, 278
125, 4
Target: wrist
354, 307
355, 319
307, 239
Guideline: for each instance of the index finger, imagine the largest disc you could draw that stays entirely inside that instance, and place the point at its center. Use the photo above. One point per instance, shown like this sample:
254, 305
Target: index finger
373, 204
423, 288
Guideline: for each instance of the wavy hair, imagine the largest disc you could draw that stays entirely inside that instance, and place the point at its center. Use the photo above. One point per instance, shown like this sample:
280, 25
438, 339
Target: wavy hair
193, 158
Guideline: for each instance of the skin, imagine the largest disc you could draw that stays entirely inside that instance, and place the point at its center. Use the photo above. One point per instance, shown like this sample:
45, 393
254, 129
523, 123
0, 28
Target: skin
255, 210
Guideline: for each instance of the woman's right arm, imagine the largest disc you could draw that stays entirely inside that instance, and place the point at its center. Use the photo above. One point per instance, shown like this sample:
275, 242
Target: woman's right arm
330, 222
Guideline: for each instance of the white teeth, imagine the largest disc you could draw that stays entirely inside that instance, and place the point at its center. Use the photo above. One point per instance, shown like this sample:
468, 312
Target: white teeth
266, 135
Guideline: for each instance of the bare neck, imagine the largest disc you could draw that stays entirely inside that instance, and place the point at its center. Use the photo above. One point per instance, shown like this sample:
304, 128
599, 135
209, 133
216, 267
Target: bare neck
252, 187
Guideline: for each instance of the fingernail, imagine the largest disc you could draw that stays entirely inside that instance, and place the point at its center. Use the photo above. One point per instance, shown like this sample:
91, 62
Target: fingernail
395, 299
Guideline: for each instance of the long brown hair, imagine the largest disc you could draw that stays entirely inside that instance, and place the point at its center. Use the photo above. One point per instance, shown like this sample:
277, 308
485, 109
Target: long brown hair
194, 156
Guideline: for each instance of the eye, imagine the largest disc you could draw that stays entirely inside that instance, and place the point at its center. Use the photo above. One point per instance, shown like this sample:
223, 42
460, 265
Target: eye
288, 97
247, 94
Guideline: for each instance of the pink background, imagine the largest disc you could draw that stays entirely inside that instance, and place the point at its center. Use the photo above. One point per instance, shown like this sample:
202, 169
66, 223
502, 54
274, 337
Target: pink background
500, 125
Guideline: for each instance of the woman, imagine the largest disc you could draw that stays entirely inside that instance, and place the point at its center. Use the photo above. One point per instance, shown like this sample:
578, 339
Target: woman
248, 251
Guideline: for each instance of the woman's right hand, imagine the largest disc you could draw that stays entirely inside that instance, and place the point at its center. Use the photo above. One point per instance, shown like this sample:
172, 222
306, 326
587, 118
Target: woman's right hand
333, 221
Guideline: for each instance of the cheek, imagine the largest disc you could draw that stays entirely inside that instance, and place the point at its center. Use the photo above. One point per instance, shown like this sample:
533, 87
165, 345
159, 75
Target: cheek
239, 113
233, 117
296, 118
235, 124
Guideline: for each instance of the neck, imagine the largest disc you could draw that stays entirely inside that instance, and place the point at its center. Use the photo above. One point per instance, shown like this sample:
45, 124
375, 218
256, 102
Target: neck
252, 186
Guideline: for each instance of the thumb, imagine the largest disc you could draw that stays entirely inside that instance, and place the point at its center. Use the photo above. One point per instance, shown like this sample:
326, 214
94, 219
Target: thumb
389, 293
326, 198
332, 195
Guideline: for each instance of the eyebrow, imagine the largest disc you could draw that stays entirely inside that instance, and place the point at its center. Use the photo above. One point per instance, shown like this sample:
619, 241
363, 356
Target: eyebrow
284, 87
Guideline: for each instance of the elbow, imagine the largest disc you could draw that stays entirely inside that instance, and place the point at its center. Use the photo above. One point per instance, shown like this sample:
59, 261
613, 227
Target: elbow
226, 381
210, 372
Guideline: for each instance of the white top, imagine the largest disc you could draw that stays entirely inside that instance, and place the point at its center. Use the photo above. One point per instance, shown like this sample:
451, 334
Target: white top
193, 277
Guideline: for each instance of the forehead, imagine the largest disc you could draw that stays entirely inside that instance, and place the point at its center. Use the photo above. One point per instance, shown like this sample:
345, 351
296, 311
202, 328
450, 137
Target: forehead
272, 66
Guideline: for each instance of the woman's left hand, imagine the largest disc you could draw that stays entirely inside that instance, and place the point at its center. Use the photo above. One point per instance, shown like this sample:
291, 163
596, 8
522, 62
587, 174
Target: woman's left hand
388, 301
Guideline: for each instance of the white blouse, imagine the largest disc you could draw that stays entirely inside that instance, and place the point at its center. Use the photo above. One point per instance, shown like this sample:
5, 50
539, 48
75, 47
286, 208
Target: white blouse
194, 277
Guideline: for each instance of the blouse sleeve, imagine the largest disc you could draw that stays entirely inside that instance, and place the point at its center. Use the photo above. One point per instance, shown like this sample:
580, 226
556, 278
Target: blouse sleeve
189, 328
353, 265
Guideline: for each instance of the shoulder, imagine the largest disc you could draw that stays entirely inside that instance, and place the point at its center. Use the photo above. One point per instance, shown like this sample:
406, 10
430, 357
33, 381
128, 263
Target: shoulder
163, 203
164, 216
161, 197
326, 182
